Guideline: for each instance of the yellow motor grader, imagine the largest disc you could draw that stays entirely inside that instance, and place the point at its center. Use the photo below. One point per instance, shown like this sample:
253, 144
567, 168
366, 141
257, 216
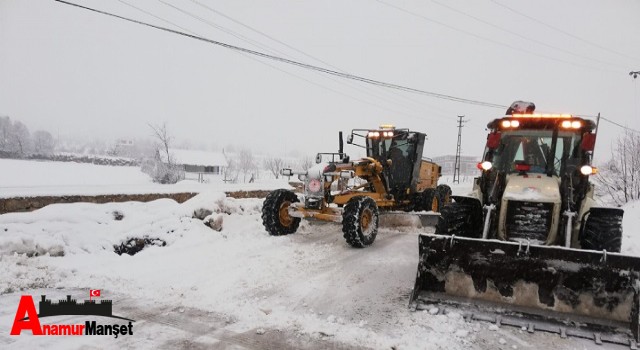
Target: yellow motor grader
530, 240
393, 176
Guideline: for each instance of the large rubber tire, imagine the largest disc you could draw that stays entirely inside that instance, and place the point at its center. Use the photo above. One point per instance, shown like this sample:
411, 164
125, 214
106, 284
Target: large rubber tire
460, 220
444, 192
360, 221
275, 214
603, 230
431, 200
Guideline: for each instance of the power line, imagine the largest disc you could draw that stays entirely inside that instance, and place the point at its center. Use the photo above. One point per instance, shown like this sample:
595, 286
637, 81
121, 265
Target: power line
525, 37
496, 42
274, 67
607, 120
269, 48
156, 17
297, 63
563, 31
255, 30
620, 125
225, 30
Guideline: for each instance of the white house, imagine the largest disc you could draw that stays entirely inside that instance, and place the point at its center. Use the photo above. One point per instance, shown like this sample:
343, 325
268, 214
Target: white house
467, 164
199, 162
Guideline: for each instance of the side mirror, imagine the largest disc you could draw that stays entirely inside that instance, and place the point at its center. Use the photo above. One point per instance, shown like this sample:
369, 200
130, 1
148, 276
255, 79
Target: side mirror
318, 158
588, 142
286, 172
350, 139
493, 140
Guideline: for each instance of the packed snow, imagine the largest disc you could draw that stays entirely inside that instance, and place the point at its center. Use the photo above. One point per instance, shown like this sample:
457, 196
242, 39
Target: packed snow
237, 287
310, 283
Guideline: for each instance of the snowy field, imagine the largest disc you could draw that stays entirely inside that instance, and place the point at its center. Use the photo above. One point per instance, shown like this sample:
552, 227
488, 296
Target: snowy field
42, 178
239, 288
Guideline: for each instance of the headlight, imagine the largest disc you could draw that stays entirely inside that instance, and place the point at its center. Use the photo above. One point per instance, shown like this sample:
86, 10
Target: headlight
315, 185
586, 170
510, 123
486, 165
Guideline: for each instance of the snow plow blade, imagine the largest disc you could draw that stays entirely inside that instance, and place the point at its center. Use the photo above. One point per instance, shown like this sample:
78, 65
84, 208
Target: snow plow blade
582, 289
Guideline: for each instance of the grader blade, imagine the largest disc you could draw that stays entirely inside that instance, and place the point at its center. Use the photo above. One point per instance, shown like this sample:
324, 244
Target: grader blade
590, 289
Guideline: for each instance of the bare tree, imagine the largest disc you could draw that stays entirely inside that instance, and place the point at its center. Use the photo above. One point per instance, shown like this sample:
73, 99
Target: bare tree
306, 162
620, 176
274, 165
162, 136
43, 142
163, 168
19, 139
246, 163
5, 131
231, 171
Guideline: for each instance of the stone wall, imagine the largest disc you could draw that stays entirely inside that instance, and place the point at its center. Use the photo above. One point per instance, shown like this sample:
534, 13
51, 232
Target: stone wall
21, 204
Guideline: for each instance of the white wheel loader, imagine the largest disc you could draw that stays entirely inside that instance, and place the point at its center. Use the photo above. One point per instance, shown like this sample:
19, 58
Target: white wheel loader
530, 240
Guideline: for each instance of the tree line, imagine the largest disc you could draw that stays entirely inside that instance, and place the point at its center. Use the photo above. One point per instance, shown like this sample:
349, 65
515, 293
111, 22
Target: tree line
16, 141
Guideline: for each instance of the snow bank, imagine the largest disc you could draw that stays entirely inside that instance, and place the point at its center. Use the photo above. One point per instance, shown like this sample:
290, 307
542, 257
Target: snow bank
311, 283
630, 227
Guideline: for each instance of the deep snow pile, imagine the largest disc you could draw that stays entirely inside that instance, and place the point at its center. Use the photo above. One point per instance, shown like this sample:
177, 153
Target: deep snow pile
311, 283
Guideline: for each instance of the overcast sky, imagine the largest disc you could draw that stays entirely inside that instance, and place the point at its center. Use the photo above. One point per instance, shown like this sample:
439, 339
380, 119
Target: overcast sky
82, 74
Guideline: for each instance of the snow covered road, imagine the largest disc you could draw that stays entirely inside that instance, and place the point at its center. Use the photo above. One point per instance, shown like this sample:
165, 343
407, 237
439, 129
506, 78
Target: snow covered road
238, 288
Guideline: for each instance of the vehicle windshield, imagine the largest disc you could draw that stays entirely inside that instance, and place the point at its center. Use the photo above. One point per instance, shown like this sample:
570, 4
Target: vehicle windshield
534, 148
382, 148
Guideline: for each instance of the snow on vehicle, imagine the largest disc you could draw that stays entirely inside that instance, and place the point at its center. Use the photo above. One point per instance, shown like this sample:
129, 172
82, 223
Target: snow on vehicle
393, 176
531, 237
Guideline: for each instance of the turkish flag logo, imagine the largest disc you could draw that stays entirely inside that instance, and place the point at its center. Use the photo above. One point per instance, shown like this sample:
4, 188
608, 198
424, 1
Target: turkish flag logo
94, 292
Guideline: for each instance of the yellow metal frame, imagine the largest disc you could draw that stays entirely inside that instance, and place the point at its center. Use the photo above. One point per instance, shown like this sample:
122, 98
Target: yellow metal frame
369, 169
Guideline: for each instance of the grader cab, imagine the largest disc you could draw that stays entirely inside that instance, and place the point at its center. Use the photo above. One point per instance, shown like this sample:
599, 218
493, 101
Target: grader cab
393, 176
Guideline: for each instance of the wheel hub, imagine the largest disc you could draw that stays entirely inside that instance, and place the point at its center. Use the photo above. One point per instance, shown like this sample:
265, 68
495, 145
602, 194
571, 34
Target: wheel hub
283, 214
365, 220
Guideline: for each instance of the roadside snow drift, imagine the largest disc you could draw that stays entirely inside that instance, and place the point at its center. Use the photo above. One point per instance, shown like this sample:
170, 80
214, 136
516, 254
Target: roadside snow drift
310, 285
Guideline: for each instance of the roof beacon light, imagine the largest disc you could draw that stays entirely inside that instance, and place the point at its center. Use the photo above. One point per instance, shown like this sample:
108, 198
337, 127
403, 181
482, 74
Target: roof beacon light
542, 116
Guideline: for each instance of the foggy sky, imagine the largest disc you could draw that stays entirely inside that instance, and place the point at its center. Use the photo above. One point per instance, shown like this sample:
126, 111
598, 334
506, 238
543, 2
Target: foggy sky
81, 74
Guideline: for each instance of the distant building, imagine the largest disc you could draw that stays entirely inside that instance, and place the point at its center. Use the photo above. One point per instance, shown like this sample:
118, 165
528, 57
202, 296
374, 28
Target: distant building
468, 165
125, 148
200, 162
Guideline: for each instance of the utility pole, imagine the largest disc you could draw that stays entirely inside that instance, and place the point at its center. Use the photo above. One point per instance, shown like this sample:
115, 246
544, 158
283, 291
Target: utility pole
635, 75
456, 167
